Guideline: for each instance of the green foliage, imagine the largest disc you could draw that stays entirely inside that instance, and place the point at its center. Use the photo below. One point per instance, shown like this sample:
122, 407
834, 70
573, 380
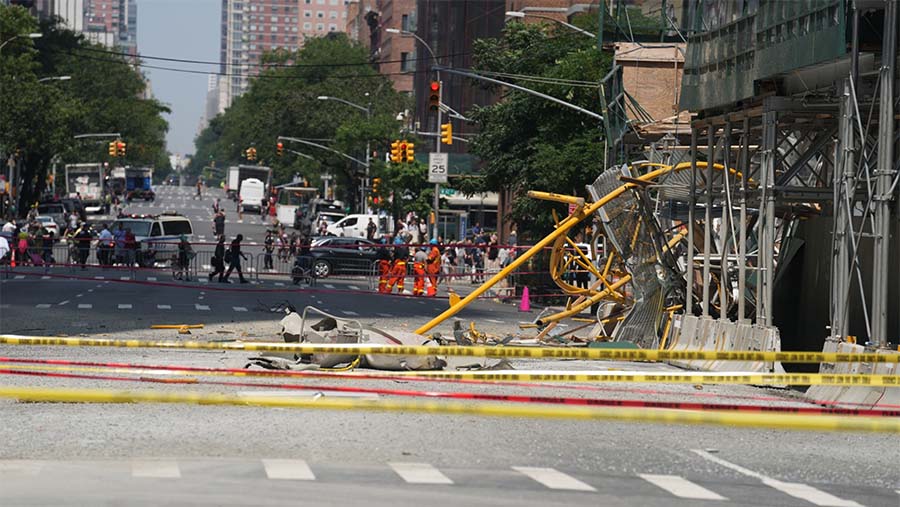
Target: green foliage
283, 101
528, 143
38, 120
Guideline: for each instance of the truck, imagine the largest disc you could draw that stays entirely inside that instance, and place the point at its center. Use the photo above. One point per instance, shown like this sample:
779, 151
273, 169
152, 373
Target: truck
115, 184
261, 173
252, 193
86, 181
231, 184
138, 183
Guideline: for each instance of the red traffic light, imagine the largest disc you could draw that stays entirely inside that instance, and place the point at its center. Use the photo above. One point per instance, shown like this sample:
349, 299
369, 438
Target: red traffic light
435, 86
403, 146
280, 145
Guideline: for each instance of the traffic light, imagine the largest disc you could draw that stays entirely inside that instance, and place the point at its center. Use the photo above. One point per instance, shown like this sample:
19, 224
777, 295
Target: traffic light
279, 148
410, 152
251, 154
376, 182
434, 96
396, 153
121, 148
447, 133
113, 149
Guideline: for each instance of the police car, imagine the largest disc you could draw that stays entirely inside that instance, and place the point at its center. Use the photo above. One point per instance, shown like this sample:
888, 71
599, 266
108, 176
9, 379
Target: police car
157, 235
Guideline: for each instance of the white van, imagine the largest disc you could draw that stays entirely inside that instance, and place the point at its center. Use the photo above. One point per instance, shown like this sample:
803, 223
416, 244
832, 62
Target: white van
252, 193
157, 233
354, 226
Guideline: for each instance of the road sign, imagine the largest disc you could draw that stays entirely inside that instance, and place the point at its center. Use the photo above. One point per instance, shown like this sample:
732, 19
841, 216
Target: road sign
438, 167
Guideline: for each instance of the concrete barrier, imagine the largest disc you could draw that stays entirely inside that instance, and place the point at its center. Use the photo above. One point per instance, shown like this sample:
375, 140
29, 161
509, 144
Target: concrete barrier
689, 332
855, 396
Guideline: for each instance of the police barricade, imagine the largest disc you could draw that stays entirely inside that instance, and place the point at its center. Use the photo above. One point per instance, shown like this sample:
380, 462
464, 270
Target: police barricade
274, 265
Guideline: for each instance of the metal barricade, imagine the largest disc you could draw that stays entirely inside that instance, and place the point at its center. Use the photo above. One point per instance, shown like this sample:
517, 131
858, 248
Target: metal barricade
280, 267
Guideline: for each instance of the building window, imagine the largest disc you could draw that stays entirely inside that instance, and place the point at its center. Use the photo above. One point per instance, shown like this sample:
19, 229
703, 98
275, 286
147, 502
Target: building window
307, 26
273, 28
332, 27
274, 19
406, 62
320, 27
404, 23
320, 14
333, 15
307, 14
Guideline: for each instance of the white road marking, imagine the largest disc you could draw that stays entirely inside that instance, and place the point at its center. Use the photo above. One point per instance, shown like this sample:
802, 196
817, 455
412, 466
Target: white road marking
151, 278
353, 287
349, 312
794, 489
554, 479
125, 306
202, 307
290, 469
45, 277
85, 306
163, 307
681, 487
420, 473
124, 278
42, 306
279, 284
5, 305
19, 277
63, 303
494, 321
239, 309
155, 468
99, 278
20, 467
328, 286
385, 315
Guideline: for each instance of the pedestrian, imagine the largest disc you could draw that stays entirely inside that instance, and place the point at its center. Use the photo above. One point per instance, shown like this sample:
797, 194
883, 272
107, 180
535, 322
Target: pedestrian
119, 235
218, 260
130, 247
383, 256
371, 229
185, 254
268, 247
83, 239
4, 250
105, 246
398, 268
323, 227
233, 257
216, 206
493, 254
199, 189
433, 266
219, 223
294, 243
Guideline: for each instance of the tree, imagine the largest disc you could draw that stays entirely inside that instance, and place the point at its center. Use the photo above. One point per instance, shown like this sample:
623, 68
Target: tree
38, 120
283, 101
528, 143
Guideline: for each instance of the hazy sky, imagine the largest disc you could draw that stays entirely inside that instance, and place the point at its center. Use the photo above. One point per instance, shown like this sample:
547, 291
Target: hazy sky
187, 29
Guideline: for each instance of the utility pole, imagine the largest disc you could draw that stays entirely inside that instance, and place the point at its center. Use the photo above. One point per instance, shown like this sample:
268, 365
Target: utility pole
437, 144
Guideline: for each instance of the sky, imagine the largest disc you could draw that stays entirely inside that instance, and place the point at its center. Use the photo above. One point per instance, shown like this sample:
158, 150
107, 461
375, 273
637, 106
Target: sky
187, 29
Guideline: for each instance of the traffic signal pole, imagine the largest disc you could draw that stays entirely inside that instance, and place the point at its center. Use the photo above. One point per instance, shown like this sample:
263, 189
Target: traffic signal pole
437, 144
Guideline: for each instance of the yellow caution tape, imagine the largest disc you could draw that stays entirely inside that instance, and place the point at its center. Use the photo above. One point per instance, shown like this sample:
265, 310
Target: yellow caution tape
767, 379
665, 416
475, 351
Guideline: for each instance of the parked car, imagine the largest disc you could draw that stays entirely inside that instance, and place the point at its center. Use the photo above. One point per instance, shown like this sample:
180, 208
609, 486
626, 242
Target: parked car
355, 226
157, 235
332, 256
55, 211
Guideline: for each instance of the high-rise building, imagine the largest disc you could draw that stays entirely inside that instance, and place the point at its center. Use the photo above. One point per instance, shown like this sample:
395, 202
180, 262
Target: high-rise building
252, 27
112, 23
71, 12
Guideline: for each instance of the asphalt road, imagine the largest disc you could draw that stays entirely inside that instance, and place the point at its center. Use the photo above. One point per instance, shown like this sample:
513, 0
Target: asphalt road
152, 454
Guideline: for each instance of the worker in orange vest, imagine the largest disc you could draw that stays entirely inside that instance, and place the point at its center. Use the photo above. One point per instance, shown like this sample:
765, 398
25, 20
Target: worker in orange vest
433, 266
398, 269
419, 261
383, 257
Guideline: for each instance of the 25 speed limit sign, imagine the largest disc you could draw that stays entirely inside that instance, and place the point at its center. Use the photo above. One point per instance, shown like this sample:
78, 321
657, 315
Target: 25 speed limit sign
438, 167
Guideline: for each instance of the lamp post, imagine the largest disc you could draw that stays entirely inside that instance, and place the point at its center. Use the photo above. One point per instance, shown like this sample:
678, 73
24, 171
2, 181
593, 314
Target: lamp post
522, 15
437, 143
368, 110
54, 78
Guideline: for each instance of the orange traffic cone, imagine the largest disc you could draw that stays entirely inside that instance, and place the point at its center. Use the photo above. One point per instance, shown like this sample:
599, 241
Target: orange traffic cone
525, 304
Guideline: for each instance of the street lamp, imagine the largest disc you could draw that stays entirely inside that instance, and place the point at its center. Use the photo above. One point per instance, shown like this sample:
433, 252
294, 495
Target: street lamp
521, 15
368, 110
437, 144
21, 36
54, 78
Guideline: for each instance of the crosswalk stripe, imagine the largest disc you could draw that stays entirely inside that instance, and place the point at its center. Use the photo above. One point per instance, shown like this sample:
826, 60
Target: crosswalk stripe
85, 306
99, 278
63, 303
202, 307
290, 469
155, 468
554, 479
420, 473
279, 284
19, 277
239, 309
45, 277
164, 307
353, 287
125, 306
42, 306
681, 487
794, 489
328, 286
151, 278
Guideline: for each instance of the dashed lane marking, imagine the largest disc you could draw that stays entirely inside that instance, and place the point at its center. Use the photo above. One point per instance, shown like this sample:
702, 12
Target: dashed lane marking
279, 284
19, 277
85, 306
385, 315
239, 309
794, 489
202, 307
681, 487
163, 307
288, 469
420, 473
125, 306
554, 479
161, 469
124, 278
151, 278
45, 277
42, 306
350, 313
63, 303
328, 286
353, 287
99, 278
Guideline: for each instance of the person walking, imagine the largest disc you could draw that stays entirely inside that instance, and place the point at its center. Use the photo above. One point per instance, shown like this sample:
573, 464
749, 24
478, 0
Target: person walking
371, 229
269, 247
199, 189
83, 239
233, 258
216, 207
219, 223
419, 260
105, 247
131, 247
218, 260
433, 266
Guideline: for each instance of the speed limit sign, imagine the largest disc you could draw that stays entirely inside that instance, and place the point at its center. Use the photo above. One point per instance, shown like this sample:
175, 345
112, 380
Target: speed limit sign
438, 167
